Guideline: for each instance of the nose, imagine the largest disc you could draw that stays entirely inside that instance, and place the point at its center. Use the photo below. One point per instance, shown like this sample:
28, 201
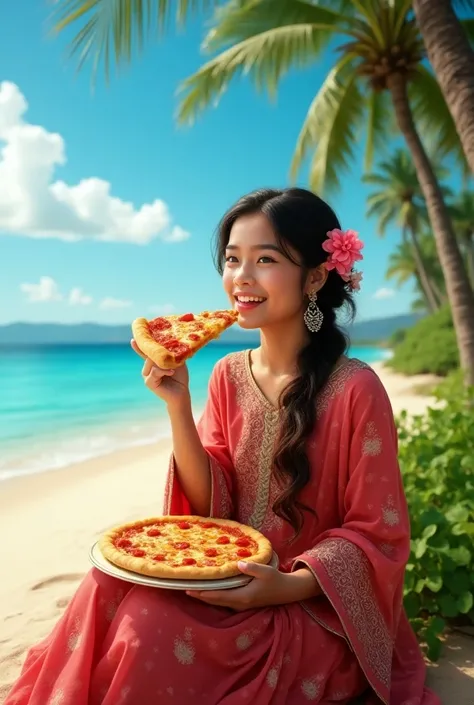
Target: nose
244, 276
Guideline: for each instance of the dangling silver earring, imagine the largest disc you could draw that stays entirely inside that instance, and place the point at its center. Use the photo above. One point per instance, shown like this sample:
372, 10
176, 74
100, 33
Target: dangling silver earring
313, 316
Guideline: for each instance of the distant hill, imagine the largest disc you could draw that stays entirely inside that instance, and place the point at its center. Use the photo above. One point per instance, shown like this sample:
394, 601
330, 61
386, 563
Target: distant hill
376, 331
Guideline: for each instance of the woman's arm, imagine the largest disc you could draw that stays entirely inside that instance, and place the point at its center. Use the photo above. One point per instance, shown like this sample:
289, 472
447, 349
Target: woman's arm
191, 460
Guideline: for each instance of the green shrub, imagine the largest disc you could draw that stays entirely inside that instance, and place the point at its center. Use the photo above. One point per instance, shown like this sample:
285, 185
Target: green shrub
437, 461
428, 347
398, 336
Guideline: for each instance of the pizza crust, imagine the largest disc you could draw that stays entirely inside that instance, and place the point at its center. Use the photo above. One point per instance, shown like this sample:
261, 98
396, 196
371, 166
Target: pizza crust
154, 351
146, 566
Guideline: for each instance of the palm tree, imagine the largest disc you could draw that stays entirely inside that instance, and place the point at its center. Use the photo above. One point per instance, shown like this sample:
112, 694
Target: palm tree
402, 267
379, 70
452, 59
462, 213
398, 199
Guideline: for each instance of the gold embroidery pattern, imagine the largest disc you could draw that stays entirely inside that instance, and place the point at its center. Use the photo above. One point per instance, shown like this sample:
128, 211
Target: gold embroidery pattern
254, 452
311, 687
336, 383
184, 650
223, 508
371, 442
390, 514
75, 637
57, 698
348, 568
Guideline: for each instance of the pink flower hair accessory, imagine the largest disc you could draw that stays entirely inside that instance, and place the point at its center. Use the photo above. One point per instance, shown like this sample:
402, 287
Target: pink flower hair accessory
344, 249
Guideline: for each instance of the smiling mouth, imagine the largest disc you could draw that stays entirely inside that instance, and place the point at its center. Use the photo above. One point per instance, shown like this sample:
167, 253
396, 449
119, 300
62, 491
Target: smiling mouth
250, 299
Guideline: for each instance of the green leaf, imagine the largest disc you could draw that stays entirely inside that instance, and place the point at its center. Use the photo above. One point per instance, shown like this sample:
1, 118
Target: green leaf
412, 605
465, 602
434, 645
429, 531
448, 605
460, 555
434, 583
420, 585
457, 514
437, 625
421, 547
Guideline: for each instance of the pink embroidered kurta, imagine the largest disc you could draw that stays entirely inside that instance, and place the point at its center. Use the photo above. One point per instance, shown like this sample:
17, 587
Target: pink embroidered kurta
120, 644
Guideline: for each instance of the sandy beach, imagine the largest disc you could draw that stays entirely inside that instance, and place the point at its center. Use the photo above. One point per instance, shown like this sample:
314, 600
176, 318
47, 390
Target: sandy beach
58, 515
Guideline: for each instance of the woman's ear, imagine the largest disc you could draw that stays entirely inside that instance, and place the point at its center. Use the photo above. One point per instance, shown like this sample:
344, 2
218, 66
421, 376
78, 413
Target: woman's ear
316, 278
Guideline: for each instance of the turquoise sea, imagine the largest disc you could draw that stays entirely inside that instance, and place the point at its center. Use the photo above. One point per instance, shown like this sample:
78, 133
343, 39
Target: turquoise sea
63, 404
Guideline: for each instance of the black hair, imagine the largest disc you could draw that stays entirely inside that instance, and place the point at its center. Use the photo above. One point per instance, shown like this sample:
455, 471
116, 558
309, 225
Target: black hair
300, 221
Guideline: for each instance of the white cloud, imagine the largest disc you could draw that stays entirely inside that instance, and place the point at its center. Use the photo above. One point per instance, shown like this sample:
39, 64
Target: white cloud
162, 309
177, 234
32, 204
384, 293
109, 302
77, 297
46, 290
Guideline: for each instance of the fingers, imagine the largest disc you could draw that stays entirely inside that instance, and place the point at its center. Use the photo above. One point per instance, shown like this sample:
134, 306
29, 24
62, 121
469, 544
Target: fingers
136, 349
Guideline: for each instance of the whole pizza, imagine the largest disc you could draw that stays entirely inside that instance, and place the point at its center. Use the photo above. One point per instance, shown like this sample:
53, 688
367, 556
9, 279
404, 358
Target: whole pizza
184, 547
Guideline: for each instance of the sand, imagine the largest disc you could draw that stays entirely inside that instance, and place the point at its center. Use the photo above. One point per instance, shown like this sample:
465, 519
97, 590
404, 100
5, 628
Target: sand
66, 510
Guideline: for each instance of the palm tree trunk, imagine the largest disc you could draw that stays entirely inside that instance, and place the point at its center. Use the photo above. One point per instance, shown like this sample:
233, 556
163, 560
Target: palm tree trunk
452, 59
470, 256
424, 280
458, 288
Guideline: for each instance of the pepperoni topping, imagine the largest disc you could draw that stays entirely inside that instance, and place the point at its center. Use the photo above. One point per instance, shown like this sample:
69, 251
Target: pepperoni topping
186, 318
208, 525
184, 525
194, 337
138, 552
223, 540
205, 314
244, 553
182, 546
243, 542
158, 325
188, 561
159, 557
153, 532
124, 543
211, 552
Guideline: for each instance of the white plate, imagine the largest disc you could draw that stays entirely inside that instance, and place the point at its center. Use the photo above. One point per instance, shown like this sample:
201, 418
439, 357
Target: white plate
98, 560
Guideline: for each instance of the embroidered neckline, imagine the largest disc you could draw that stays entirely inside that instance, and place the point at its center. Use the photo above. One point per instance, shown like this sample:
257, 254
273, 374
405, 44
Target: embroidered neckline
346, 364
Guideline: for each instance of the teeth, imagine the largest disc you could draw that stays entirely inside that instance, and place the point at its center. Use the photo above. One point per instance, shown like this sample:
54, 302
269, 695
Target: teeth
248, 299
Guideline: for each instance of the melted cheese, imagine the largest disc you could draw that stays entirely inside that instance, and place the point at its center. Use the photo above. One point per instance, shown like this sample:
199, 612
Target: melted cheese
171, 543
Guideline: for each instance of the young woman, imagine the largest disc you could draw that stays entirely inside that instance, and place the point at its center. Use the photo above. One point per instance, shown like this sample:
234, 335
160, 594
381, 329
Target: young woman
298, 441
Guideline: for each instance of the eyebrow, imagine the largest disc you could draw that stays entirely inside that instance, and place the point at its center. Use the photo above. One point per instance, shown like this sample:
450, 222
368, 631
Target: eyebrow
268, 246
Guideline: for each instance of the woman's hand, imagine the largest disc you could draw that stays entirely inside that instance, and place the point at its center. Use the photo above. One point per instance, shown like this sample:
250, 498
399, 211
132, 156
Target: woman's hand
268, 587
170, 385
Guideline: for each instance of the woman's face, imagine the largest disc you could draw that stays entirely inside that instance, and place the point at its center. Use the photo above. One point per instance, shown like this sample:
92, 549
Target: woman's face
262, 284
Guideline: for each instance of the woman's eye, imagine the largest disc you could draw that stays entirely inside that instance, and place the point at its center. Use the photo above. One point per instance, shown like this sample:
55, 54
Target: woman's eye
266, 260
231, 259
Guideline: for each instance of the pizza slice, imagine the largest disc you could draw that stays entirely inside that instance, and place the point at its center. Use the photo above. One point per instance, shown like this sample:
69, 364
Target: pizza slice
171, 340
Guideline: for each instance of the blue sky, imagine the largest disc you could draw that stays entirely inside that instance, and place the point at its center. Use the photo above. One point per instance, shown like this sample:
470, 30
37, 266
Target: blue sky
61, 151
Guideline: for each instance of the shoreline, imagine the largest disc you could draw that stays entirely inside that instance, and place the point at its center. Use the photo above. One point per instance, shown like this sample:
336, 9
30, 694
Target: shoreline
59, 513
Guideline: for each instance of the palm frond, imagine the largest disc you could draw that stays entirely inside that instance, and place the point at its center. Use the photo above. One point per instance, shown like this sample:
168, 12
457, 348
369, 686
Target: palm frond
236, 21
330, 127
265, 57
116, 27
